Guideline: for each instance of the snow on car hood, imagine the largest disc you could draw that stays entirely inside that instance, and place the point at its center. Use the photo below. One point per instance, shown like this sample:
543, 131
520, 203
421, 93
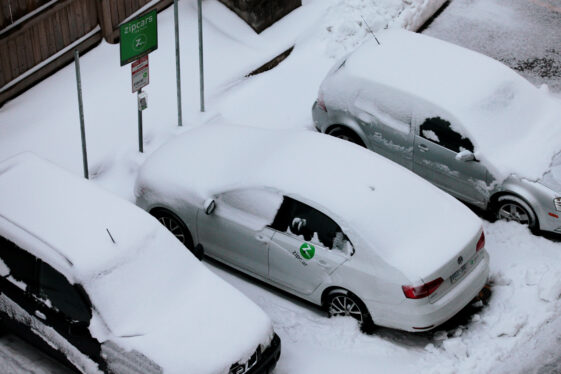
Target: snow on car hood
166, 305
404, 219
515, 127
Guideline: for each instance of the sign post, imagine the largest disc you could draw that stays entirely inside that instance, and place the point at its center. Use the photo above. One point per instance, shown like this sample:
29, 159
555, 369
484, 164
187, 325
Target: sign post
177, 64
81, 109
139, 37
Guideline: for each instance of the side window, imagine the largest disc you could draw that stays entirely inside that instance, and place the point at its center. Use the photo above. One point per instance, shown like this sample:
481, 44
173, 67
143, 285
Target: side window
387, 114
250, 206
301, 219
61, 295
17, 265
439, 131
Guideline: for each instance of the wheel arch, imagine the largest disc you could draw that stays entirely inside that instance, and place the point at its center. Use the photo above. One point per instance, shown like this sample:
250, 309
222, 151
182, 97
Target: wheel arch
162, 209
352, 127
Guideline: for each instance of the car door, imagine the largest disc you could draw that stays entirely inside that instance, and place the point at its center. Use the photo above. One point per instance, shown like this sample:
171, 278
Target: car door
29, 312
307, 246
387, 124
65, 307
435, 151
237, 231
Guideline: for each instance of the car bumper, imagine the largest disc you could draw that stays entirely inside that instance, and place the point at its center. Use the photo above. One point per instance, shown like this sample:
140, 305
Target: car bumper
268, 359
420, 315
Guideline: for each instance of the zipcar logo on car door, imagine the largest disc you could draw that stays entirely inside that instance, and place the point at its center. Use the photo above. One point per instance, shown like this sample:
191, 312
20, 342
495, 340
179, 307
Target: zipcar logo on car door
307, 251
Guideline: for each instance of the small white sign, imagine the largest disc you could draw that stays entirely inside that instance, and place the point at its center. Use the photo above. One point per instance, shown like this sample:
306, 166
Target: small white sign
140, 75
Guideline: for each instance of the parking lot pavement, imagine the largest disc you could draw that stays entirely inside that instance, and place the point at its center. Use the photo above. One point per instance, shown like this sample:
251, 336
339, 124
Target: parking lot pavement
524, 34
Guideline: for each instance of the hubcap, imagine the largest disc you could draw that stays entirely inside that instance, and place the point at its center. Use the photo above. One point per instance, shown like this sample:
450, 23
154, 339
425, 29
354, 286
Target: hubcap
514, 212
346, 307
173, 226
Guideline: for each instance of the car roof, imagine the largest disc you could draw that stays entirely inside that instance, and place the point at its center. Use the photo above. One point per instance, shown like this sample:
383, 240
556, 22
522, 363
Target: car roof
77, 226
483, 98
373, 197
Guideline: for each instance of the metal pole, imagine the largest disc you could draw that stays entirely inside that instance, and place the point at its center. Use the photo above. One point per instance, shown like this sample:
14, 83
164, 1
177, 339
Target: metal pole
81, 109
201, 68
177, 66
140, 145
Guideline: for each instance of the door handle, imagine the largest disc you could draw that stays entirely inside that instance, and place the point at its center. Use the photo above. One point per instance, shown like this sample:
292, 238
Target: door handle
40, 315
377, 134
422, 147
323, 264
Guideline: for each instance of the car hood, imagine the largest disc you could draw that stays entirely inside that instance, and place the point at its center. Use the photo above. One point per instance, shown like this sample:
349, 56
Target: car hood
167, 306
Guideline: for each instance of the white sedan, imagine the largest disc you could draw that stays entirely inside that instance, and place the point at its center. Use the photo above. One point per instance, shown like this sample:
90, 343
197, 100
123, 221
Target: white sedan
323, 219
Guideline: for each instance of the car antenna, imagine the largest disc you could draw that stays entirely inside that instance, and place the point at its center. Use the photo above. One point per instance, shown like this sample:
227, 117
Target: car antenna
370, 30
111, 236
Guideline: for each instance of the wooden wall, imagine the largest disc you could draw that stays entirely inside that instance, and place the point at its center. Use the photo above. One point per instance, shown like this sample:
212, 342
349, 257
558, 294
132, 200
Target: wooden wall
38, 37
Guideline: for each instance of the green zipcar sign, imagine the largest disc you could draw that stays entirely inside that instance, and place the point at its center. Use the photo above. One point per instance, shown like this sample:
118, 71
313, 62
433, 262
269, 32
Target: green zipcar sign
139, 37
307, 251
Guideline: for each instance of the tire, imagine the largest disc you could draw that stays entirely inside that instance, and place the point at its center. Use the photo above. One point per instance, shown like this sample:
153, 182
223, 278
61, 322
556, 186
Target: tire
512, 208
346, 134
346, 304
176, 226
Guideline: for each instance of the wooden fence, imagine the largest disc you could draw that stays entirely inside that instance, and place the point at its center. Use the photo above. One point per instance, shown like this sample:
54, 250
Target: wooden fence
38, 37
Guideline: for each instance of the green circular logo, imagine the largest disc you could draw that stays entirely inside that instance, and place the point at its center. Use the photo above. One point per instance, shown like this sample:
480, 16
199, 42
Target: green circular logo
307, 251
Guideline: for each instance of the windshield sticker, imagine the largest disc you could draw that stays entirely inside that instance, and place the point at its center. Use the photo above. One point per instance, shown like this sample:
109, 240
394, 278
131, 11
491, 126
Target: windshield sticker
307, 251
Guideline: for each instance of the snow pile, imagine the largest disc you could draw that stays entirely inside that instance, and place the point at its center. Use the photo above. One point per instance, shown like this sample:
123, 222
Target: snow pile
347, 24
522, 317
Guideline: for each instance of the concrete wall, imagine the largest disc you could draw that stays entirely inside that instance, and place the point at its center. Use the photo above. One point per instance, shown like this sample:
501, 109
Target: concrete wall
260, 14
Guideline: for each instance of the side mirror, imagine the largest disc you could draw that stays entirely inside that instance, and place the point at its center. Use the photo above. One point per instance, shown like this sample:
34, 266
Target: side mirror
465, 156
209, 205
297, 225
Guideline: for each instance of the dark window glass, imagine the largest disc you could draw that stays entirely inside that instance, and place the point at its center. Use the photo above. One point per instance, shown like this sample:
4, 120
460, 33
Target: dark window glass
63, 296
315, 222
440, 132
20, 262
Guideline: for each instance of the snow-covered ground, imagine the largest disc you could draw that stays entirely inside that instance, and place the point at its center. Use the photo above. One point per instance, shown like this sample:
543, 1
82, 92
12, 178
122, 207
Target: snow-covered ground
520, 329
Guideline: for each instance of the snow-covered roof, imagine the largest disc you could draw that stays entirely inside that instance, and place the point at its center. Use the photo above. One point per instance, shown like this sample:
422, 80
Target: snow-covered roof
513, 125
397, 212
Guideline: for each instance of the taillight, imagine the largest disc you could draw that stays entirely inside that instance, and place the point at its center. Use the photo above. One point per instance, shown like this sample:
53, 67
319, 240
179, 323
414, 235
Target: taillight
321, 103
480, 243
424, 290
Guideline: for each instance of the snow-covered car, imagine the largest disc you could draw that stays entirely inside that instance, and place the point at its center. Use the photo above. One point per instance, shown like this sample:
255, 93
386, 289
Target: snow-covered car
463, 121
102, 286
320, 218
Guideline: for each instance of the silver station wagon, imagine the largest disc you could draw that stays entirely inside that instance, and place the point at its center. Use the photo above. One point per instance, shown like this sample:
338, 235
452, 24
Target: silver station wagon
320, 218
459, 119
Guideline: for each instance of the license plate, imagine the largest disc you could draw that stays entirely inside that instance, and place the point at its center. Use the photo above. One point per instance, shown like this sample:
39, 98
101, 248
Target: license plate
458, 274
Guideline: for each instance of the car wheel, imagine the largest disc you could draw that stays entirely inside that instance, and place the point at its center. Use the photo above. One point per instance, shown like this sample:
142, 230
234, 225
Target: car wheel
343, 303
512, 208
176, 226
345, 134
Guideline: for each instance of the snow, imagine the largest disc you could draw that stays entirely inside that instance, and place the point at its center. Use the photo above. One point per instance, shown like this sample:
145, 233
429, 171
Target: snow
481, 97
517, 332
365, 197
